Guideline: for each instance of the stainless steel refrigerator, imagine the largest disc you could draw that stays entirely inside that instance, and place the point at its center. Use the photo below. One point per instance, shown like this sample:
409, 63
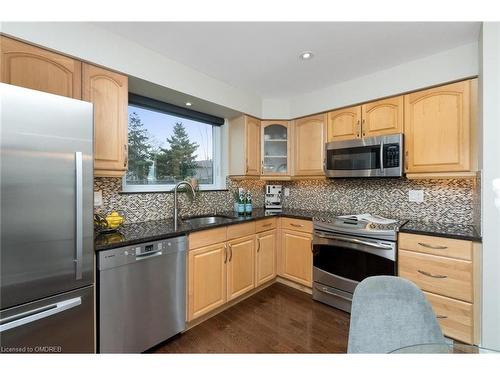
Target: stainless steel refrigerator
46, 245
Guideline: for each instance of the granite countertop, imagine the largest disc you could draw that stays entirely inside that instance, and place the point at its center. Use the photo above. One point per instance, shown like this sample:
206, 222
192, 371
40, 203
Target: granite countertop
449, 230
135, 233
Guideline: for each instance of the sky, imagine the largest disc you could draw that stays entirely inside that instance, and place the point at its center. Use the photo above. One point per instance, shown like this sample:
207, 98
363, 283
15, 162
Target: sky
160, 126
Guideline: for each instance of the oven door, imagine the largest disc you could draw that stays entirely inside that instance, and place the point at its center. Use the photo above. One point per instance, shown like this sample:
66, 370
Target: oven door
366, 157
341, 261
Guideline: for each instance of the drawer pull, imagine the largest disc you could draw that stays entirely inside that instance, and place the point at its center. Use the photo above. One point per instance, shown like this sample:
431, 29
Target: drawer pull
431, 275
267, 225
441, 317
438, 247
296, 225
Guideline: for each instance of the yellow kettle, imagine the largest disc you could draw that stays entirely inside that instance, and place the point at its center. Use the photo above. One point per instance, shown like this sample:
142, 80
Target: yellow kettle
114, 220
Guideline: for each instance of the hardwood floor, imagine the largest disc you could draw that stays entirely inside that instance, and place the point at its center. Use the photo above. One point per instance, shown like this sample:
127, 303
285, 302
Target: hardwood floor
278, 319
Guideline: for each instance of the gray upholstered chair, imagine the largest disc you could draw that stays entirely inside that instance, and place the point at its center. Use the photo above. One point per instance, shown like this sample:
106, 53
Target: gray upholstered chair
389, 313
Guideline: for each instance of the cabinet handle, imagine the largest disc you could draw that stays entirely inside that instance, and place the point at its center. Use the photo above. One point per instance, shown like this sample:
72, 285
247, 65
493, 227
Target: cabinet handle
225, 253
358, 128
125, 155
441, 317
258, 244
439, 247
363, 127
262, 167
296, 225
246, 166
431, 275
406, 160
267, 225
230, 253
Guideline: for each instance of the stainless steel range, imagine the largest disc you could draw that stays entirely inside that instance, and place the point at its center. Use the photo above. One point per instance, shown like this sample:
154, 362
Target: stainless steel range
347, 250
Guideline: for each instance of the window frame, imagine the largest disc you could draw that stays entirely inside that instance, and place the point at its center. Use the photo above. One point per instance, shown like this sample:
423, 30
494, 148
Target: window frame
217, 146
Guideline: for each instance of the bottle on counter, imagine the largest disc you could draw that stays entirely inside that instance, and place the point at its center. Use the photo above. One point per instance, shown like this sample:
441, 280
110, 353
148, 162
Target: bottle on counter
241, 203
248, 204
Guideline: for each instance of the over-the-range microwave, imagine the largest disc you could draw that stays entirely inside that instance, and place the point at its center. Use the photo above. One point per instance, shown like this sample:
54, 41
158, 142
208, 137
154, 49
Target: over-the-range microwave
366, 157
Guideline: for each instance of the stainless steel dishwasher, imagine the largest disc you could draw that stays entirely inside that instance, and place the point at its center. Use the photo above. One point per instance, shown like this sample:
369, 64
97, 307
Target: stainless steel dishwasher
142, 295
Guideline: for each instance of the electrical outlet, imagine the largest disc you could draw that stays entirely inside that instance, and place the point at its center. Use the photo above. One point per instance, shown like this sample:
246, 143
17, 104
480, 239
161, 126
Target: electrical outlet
98, 198
287, 192
416, 196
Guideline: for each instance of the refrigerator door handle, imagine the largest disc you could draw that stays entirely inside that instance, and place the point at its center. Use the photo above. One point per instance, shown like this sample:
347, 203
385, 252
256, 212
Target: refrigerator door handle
79, 213
37, 314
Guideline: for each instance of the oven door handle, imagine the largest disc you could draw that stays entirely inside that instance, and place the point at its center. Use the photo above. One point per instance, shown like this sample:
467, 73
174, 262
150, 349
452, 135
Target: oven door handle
356, 241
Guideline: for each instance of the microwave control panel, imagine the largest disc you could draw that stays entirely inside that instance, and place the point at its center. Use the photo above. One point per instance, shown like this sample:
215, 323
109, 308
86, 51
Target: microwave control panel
391, 155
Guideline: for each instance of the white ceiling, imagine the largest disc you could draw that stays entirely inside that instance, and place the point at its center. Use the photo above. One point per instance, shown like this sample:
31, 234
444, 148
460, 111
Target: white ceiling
262, 57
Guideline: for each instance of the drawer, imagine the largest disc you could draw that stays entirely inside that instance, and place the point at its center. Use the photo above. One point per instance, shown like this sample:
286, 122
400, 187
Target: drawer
240, 230
265, 224
436, 274
297, 224
207, 237
455, 317
446, 247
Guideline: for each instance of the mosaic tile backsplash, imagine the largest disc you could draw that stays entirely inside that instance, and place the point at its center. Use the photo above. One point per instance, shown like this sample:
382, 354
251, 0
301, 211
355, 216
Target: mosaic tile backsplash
449, 201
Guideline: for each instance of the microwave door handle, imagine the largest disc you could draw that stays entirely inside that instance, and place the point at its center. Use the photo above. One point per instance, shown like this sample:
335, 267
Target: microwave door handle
382, 156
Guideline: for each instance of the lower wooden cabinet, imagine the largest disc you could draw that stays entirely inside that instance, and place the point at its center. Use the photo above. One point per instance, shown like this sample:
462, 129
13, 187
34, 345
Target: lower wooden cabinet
296, 256
455, 317
240, 266
206, 279
265, 257
447, 270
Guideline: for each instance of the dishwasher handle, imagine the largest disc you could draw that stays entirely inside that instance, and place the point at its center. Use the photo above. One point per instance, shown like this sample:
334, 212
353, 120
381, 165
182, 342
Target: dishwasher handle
149, 255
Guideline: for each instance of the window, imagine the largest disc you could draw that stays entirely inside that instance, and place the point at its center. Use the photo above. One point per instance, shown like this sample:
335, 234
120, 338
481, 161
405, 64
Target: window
165, 147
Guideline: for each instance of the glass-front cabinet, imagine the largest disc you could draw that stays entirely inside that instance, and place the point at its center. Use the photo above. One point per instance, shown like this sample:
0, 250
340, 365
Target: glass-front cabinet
275, 140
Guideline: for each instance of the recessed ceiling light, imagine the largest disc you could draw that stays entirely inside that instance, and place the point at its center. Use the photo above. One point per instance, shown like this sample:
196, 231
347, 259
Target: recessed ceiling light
189, 104
307, 55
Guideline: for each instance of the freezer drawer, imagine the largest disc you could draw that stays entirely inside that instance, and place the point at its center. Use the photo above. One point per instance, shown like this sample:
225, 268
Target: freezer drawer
58, 324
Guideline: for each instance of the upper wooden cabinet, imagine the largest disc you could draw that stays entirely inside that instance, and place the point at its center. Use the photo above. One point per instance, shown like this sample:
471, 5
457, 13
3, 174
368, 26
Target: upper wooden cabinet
439, 128
344, 124
108, 91
368, 120
38, 69
244, 146
309, 145
382, 117
276, 145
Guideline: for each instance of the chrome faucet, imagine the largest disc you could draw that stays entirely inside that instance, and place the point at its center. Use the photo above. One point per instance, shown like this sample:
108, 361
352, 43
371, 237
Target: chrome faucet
176, 204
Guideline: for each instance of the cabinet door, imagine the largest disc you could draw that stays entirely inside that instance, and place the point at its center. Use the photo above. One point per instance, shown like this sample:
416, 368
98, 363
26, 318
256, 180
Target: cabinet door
206, 279
38, 69
252, 146
344, 124
265, 261
108, 91
382, 117
437, 129
275, 137
309, 140
296, 256
240, 266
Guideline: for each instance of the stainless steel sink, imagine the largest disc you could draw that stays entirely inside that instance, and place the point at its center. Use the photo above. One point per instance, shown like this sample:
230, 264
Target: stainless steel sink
207, 220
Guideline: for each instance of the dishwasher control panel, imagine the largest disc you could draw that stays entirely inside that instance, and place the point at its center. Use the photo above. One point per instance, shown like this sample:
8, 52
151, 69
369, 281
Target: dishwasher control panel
129, 254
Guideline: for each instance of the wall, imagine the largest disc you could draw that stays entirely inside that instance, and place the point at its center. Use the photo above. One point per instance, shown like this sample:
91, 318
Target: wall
453, 64
118, 53
92, 43
449, 201
489, 80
